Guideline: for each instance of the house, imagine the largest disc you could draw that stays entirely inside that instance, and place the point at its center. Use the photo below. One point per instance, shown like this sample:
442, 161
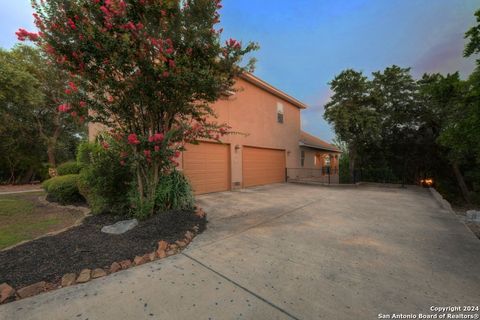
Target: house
270, 147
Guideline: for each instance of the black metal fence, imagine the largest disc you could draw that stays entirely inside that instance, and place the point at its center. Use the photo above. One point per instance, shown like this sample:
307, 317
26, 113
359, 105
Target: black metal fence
325, 175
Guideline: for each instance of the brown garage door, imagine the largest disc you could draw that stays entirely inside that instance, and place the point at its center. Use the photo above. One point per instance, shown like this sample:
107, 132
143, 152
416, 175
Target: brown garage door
207, 166
263, 166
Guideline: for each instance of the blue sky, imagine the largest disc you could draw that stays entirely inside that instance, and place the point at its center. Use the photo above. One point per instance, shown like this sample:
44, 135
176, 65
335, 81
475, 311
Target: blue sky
305, 43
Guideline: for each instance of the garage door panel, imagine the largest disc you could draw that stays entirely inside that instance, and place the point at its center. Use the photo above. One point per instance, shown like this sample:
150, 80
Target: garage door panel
207, 166
263, 166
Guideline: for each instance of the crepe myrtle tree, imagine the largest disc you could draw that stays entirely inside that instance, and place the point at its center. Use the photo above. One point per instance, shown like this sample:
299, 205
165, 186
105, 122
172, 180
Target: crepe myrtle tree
149, 69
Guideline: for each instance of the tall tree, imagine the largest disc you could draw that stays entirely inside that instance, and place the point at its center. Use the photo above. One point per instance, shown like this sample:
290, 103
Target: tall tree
395, 94
149, 68
352, 114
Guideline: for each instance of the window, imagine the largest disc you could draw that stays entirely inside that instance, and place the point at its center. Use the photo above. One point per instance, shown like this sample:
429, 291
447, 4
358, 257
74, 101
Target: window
279, 112
302, 158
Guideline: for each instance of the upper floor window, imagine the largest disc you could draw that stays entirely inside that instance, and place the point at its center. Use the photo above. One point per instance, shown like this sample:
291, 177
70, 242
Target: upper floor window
279, 112
302, 158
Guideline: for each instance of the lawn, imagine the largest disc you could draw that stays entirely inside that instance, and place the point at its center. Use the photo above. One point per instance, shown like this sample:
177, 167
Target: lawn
24, 217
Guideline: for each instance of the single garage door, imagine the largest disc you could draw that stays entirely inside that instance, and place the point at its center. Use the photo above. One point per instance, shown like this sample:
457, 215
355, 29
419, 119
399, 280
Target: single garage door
263, 166
207, 166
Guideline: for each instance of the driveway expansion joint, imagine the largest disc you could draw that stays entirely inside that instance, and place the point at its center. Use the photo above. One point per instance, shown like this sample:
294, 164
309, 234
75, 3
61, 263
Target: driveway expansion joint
242, 287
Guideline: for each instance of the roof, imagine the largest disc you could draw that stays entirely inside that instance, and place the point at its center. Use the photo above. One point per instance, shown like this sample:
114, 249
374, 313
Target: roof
307, 140
269, 88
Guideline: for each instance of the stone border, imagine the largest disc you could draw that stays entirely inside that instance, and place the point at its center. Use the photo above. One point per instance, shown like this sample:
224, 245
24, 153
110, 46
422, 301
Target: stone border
43, 200
164, 249
441, 200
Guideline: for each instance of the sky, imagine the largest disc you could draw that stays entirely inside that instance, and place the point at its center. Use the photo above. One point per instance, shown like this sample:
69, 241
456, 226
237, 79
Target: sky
305, 43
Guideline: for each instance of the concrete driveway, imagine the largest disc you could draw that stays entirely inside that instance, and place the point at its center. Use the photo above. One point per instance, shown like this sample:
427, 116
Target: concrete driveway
292, 251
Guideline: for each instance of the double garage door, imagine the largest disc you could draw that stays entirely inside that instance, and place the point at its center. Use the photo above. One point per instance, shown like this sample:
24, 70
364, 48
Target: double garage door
207, 166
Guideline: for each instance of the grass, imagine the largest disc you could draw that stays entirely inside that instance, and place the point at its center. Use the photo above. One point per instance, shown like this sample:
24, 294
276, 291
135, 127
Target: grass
23, 217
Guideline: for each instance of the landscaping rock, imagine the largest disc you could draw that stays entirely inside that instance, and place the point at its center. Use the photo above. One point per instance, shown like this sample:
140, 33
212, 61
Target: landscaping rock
189, 235
98, 273
171, 252
152, 256
173, 246
120, 227
473, 216
162, 245
199, 212
140, 260
161, 254
6, 292
181, 244
115, 267
85, 276
32, 289
68, 279
126, 264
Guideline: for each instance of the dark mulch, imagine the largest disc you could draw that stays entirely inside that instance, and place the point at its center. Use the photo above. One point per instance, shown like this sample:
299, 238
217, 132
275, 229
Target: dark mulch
85, 246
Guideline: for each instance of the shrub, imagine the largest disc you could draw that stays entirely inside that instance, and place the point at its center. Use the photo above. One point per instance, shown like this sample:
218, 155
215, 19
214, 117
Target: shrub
103, 181
85, 153
174, 192
70, 167
63, 189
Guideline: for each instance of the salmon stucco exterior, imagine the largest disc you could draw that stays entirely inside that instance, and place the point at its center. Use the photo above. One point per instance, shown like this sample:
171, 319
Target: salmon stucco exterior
269, 141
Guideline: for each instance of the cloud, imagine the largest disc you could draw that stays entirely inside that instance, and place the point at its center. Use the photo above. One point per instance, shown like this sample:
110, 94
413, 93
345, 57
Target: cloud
445, 57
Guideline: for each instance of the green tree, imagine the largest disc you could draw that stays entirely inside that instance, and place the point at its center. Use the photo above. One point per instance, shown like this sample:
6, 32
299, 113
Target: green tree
473, 35
395, 94
148, 69
352, 113
28, 106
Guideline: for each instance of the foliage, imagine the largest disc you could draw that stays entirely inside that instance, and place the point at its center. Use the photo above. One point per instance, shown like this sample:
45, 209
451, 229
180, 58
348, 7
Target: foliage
174, 192
103, 181
70, 167
148, 69
351, 111
63, 189
429, 128
473, 35
32, 131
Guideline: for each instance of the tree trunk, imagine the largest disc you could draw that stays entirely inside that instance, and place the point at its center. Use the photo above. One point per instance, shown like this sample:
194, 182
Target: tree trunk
27, 177
461, 182
51, 155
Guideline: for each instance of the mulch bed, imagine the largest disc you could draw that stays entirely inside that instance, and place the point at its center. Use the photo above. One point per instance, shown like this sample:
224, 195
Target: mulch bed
85, 246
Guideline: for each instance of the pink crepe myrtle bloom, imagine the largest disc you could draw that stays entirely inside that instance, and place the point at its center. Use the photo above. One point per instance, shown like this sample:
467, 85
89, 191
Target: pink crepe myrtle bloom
73, 114
132, 139
64, 107
156, 148
147, 153
72, 86
82, 104
157, 137
23, 35
105, 145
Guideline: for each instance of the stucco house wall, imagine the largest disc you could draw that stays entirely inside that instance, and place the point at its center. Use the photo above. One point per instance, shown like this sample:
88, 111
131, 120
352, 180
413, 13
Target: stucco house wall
252, 111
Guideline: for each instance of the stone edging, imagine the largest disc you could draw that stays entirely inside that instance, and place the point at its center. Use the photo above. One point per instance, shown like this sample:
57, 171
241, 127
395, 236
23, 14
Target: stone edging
164, 249
441, 201
43, 200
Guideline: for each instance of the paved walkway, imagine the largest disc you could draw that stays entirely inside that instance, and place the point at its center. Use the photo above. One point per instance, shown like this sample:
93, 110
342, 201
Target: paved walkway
291, 252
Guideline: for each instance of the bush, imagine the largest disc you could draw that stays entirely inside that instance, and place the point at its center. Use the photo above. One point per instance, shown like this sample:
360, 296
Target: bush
85, 153
70, 167
103, 182
174, 192
63, 189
